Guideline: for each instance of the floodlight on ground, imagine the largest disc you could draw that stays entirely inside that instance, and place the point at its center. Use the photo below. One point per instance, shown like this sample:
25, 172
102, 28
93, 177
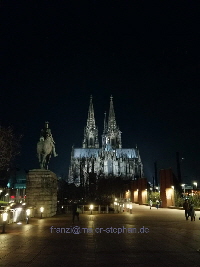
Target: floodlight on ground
28, 212
4, 217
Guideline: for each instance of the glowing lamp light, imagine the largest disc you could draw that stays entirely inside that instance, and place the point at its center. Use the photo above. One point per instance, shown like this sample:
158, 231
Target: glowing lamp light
5, 216
91, 208
41, 209
28, 212
172, 187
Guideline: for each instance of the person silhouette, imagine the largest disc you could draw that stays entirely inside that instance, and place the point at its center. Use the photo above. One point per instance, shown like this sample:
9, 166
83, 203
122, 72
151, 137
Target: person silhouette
75, 213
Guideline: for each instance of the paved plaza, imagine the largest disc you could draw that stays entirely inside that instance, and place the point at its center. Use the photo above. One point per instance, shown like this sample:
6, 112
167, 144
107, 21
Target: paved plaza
144, 238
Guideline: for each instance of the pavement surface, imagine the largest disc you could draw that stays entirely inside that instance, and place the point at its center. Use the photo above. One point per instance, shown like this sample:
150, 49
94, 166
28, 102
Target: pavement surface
144, 238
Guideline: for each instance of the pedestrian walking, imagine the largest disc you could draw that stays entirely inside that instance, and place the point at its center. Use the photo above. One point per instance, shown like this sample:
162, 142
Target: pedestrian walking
75, 211
192, 212
157, 203
150, 203
186, 207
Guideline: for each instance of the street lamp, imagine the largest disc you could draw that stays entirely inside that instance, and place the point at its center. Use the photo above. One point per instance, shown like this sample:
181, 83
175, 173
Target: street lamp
27, 215
5, 217
195, 183
41, 211
183, 185
91, 208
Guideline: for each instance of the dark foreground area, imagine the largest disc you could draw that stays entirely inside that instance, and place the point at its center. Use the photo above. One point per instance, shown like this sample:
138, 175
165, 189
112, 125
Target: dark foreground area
145, 238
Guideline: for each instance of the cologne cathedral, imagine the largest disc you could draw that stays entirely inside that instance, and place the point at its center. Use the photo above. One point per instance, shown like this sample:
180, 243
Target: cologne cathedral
92, 161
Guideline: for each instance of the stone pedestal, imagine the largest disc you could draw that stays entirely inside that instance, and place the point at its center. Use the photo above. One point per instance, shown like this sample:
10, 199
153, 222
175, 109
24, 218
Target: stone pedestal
41, 191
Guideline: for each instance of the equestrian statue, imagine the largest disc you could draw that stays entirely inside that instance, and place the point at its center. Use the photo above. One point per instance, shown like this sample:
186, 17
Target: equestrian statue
45, 147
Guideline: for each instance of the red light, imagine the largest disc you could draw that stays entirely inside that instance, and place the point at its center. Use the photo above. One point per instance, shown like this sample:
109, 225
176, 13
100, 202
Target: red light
12, 197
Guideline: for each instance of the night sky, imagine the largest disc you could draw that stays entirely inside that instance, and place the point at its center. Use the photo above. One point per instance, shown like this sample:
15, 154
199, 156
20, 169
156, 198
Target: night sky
55, 54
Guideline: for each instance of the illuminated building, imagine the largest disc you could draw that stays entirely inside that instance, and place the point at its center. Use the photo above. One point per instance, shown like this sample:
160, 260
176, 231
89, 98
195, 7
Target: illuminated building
108, 160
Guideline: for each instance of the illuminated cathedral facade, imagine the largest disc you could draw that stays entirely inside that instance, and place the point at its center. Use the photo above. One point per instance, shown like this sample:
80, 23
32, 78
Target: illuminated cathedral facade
93, 161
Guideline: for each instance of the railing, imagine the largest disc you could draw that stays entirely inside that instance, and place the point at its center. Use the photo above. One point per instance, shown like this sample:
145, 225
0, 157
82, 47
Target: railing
86, 209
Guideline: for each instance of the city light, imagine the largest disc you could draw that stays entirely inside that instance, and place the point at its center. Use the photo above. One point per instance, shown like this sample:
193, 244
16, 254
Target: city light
4, 217
91, 207
28, 212
195, 183
41, 211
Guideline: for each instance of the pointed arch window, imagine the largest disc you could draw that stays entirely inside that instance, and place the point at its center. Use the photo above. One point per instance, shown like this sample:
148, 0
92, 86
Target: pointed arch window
112, 142
91, 142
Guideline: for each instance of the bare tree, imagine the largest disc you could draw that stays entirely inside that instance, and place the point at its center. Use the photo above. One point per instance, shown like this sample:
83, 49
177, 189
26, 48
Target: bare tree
9, 149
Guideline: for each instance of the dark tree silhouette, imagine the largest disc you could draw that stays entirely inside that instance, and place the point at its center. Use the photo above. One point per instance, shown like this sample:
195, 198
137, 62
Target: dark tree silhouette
9, 149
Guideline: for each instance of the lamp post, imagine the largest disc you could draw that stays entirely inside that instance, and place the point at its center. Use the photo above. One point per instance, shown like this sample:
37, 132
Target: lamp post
41, 212
183, 185
195, 183
27, 215
91, 208
5, 217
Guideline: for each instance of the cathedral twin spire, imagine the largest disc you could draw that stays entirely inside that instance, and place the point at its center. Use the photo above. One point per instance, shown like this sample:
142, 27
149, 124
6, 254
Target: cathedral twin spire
91, 119
90, 131
111, 117
111, 134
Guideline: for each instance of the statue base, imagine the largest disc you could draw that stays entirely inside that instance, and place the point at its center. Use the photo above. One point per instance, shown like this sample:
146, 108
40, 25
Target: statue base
41, 191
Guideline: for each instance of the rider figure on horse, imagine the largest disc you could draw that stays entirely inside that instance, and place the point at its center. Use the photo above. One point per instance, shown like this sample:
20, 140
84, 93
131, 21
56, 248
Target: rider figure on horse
46, 134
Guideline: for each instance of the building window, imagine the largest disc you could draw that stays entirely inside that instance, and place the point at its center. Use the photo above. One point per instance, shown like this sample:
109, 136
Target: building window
91, 141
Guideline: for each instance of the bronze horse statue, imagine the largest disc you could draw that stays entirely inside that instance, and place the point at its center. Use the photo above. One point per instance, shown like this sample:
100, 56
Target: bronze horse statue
44, 151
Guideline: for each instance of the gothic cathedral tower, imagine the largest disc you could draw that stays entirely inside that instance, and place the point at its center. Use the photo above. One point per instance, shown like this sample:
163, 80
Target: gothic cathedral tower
111, 137
108, 160
90, 132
